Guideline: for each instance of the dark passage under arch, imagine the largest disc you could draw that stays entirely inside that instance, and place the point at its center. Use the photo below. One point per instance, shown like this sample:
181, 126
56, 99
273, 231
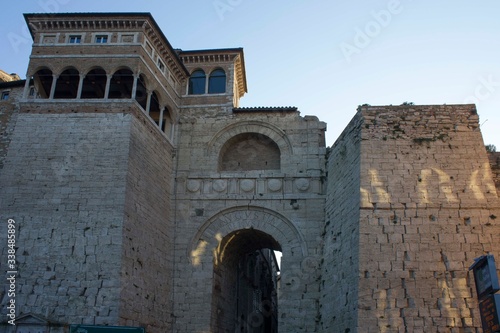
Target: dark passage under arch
245, 287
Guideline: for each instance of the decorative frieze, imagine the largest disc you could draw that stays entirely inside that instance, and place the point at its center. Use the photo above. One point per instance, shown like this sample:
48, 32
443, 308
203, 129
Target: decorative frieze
250, 186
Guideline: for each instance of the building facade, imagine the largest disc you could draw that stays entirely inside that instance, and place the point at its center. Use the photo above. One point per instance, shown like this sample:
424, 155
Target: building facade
143, 195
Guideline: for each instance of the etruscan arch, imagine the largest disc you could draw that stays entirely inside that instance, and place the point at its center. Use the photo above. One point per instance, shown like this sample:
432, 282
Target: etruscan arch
229, 242
209, 235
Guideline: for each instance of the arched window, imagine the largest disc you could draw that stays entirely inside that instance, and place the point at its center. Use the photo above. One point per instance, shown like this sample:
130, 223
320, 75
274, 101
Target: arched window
43, 82
154, 108
121, 84
197, 82
141, 93
217, 82
250, 151
167, 123
94, 84
67, 84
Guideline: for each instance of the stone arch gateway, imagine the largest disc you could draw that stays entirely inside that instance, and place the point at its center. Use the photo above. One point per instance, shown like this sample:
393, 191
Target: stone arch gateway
245, 217
220, 247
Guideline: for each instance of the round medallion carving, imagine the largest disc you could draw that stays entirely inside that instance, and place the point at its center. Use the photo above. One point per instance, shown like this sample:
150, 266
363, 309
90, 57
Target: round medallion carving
193, 185
247, 185
274, 185
302, 184
219, 185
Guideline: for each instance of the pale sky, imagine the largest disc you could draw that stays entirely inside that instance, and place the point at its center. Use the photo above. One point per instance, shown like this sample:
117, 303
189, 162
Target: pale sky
326, 57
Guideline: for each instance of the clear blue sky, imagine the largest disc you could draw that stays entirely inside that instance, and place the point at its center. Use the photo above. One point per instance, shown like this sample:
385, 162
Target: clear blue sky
326, 57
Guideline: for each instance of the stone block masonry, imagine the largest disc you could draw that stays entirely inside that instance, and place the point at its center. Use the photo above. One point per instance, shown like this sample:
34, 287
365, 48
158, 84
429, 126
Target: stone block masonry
8, 110
341, 237
64, 184
382, 242
280, 208
495, 168
90, 195
147, 264
428, 207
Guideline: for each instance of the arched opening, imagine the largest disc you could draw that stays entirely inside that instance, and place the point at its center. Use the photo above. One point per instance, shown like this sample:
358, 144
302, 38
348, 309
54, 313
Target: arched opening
197, 82
67, 84
221, 242
141, 93
245, 283
167, 123
94, 84
250, 151
154, 108
217, 82
43, 82
121, 84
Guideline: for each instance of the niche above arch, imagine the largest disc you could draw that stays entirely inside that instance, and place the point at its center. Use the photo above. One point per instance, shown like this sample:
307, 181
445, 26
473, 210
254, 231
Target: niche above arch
249, 151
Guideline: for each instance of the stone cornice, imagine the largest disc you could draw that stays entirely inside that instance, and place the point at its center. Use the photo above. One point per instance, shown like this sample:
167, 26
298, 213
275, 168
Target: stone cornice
142, 22
85, 21
166, 51
80, 24
208, 57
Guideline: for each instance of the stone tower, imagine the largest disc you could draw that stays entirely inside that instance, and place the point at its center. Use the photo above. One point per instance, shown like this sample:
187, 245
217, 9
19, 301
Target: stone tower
411, 202
143, 195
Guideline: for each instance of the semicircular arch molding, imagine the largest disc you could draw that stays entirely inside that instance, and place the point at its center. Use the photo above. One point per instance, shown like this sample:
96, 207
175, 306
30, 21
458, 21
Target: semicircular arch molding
212, 232
69, 68
254, 126
88, 69
121, 68
41, 68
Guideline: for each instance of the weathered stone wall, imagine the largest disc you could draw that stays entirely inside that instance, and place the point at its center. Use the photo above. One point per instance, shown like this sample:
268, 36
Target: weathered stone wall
147, 252
495, 168
64, 185
249, 151
340, 269
5, 77
8, 110
90, 194
286, 205
428, 208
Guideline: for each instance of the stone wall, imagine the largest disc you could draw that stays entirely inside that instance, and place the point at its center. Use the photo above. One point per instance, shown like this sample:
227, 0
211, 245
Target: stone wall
428, 208
147, 264
8, 110
340, 269
5, 77
64, 185
284, 206
91, 196
495, 168
249, 151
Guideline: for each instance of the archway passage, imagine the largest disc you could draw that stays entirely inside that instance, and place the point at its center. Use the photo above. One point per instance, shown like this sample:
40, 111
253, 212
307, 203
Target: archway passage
245, 283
